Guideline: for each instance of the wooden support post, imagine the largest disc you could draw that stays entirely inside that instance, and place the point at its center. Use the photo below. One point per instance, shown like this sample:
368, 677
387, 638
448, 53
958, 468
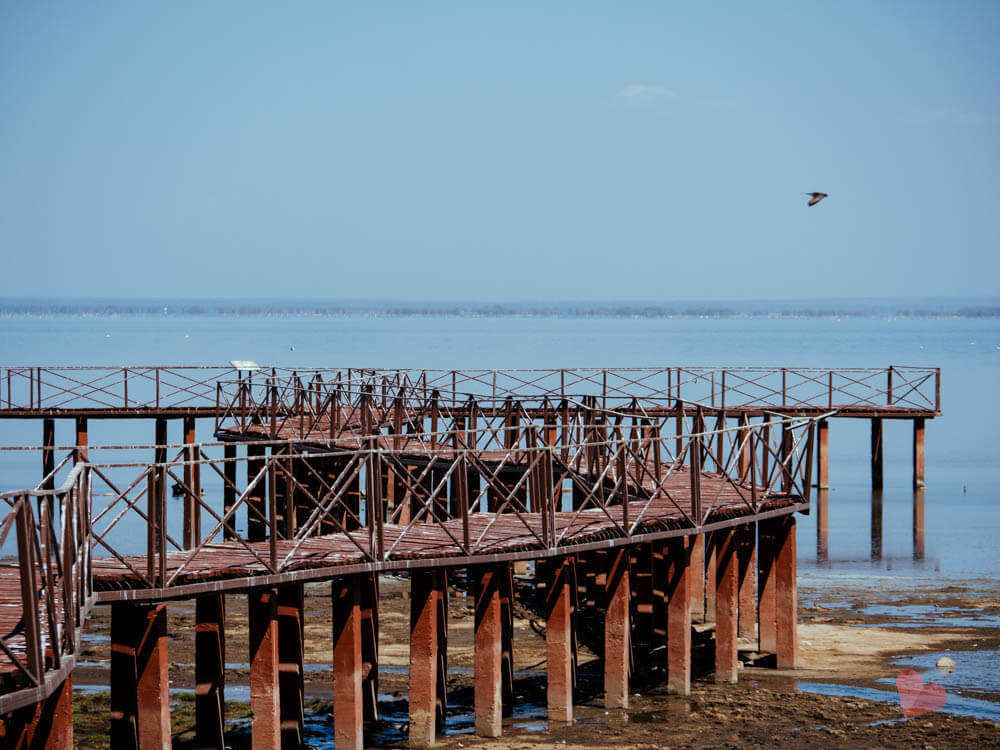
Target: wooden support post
291, 686
747, 551
642, 601
726, 605
918, 453
209, 668
160, 431
677, 585
697, 584
263, 617
192, 488
822, 525
766, 553
229, 488
743, 446
47, 724
877, 453
257, 498
48, 452
823, 454
426, 592
660, 573
82, 441
559, 639
786, 595
616, 630
369, 645
348, 703
140, 687
918, 524
876, 527
505, 574
488, 650
711, 542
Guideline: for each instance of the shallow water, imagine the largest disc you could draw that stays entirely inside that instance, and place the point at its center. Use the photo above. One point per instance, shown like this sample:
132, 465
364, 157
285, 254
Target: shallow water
956, 704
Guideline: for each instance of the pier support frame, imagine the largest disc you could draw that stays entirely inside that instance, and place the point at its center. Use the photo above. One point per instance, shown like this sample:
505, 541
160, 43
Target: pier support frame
348, 703
616, 630
263, 617
711, 543
559, 639
747, 552
369, 645
726, 605
488, 650
291, 686
140, 687
209, 666
787, 617
426, 709
766, 586
918, 453
678, 592
779, 610
877, 453
823, 454
47, 724
696, 586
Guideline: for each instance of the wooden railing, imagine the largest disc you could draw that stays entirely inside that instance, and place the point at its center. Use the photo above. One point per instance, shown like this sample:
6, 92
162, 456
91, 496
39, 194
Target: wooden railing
51, 389
445, 467
54, 585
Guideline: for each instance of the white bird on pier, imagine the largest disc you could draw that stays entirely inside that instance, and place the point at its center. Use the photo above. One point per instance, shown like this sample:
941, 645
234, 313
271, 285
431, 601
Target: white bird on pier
815, 198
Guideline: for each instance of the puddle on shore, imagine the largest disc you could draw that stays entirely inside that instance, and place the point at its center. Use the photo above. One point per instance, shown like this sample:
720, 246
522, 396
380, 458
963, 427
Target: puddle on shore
974, 672
956, 704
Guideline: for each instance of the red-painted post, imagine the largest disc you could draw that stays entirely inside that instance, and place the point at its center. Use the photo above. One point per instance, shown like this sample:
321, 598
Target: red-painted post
786, 595
140, 687
823, 455
263, 617
697, 584
677, 586
290, 668
918, 453
348, 703
488, 651
726, 603
747, 551
766, 587
616, 631
369, 646
426, 591
209, 666
559, 640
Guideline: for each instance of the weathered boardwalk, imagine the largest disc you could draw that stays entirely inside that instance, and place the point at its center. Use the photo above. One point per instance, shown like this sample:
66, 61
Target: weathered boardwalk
341, 476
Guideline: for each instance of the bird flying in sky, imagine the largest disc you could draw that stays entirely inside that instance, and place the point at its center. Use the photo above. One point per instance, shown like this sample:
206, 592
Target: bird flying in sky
815, 198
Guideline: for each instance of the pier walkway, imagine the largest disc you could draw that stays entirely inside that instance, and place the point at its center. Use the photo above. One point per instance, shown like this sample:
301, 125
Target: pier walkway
341, 475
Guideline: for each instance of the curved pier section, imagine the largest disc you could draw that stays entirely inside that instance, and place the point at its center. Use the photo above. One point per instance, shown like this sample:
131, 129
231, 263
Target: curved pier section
605, 489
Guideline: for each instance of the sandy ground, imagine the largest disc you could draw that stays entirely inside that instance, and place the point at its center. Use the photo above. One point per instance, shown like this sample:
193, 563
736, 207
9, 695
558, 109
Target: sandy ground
763, 710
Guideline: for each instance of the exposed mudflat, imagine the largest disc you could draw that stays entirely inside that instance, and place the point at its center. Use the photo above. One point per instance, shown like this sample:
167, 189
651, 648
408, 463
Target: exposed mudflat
851, 638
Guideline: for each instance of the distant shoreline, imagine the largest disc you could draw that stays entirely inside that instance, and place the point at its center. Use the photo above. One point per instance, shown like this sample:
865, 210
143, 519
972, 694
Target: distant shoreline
919, 309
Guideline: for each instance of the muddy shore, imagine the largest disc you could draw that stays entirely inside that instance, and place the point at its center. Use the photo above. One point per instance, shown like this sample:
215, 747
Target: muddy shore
848, 637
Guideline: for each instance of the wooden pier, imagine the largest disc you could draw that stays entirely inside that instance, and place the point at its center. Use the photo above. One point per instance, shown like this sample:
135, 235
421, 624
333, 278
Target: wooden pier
648, 494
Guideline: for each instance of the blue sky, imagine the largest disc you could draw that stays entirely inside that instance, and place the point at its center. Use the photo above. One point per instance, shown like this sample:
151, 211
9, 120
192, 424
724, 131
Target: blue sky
499, 152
